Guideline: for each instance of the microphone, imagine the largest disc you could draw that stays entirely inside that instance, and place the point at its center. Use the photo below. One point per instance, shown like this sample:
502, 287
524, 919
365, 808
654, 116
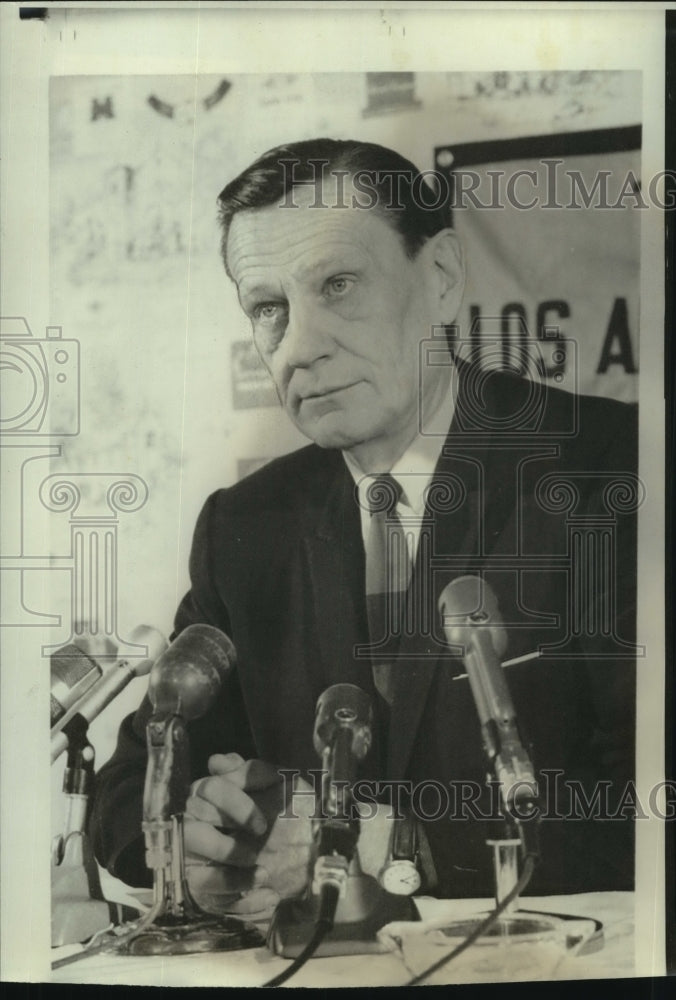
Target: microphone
342, 732
184, 683
343, 908
72, 673
108, 685
471, 619
186, 678
342, 737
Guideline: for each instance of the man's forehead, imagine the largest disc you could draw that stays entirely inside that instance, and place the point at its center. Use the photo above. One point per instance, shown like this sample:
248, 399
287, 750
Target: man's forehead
306, 220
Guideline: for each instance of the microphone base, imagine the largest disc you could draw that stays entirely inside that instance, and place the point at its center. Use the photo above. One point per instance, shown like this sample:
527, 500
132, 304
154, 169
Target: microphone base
583, 935
364, 911
205, 934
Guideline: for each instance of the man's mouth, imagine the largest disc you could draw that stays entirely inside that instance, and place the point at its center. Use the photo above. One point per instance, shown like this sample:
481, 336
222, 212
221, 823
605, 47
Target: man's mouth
329, 391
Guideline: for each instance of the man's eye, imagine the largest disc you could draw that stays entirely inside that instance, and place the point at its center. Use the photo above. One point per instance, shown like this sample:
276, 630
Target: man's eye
267, 311
339, 285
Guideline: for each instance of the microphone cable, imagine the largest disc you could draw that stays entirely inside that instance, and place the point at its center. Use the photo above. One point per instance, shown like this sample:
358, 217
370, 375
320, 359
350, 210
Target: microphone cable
328, 901
528, 867
110, 938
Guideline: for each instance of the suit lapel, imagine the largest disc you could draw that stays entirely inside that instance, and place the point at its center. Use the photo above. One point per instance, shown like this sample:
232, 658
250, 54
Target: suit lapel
466, 512
447, 539
335, 555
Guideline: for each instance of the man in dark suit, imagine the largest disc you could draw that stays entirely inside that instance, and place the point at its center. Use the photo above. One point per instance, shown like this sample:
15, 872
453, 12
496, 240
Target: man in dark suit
352, 285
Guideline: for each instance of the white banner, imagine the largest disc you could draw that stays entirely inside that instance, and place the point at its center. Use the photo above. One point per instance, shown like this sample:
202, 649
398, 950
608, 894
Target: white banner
552, 248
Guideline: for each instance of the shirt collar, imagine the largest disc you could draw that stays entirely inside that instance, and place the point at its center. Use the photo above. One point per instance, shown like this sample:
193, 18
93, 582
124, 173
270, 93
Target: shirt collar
414, 470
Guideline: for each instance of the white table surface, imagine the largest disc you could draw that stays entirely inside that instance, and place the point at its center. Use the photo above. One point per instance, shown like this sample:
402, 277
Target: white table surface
254, 967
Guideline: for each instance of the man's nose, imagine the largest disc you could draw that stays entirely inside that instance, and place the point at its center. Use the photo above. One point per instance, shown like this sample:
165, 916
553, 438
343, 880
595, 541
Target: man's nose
307, 338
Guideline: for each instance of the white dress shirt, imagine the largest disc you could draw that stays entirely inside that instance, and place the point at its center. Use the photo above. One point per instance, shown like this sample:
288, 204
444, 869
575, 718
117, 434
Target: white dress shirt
413, 471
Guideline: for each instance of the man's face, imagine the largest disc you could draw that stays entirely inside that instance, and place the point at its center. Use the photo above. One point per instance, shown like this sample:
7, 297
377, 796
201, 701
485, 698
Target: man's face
338, 313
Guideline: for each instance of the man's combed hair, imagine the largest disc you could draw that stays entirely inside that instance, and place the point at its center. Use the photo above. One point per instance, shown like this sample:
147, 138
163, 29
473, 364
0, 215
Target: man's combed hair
393, 186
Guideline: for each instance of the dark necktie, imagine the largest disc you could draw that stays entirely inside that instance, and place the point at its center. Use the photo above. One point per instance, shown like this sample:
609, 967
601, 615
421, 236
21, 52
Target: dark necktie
387, 576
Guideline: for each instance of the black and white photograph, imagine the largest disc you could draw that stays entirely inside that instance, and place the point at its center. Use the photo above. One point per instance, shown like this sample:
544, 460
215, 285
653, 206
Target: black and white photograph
333, 477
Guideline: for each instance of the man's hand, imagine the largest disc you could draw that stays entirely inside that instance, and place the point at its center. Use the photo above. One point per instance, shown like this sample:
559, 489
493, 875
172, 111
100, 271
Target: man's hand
245, 846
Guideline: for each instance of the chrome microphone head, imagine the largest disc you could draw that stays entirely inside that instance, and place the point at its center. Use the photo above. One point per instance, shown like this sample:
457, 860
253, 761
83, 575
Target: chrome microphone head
468, 603
186, 678
341, 707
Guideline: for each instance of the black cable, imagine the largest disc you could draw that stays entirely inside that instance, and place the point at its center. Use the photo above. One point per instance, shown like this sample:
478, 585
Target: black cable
328, 901
481, 928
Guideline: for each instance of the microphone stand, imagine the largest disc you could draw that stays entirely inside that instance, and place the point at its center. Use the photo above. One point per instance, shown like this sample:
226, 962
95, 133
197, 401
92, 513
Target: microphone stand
364, 907
510, 766
514, 926
78, 909
175, 923
472, 622
184, 681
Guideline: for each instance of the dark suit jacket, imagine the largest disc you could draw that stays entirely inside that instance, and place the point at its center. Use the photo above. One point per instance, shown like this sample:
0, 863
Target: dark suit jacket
523, 494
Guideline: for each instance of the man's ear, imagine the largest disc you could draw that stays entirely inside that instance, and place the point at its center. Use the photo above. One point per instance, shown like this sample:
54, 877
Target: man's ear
449, 272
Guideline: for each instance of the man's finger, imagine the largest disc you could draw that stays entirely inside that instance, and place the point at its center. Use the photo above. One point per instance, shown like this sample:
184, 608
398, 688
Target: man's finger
206, 841
233, 806
206, 812
251, 775
224, 763
216, 801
